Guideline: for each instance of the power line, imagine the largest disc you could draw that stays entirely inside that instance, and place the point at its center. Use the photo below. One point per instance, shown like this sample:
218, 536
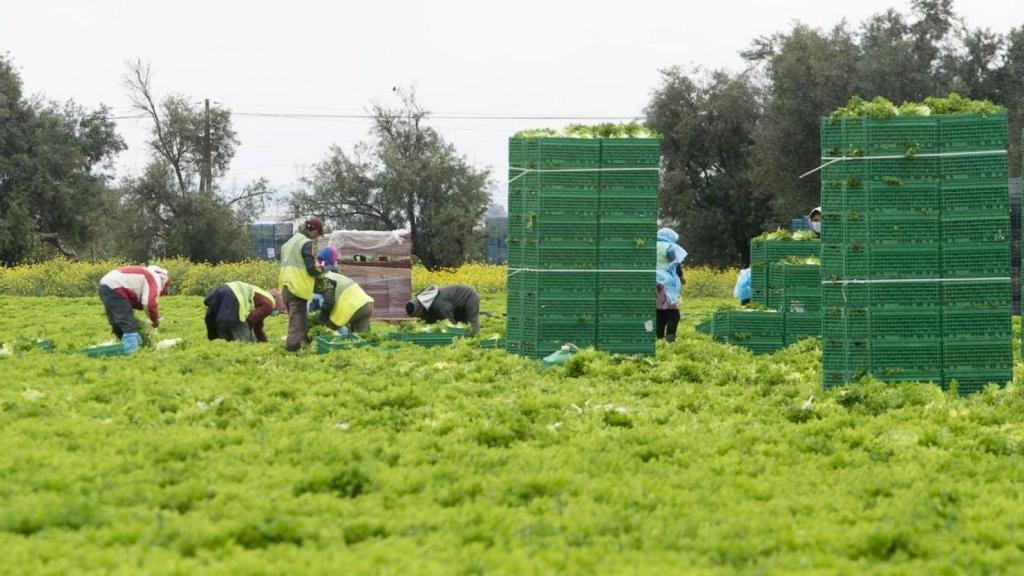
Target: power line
482, 117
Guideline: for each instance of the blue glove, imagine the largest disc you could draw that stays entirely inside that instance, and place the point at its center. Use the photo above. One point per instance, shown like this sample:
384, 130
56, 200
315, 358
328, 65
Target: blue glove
344, 331
131, 342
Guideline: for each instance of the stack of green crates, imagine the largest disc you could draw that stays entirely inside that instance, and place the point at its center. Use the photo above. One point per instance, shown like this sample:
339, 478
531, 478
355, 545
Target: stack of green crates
582, 226
760, 331
764, 253
796, 293
916, 250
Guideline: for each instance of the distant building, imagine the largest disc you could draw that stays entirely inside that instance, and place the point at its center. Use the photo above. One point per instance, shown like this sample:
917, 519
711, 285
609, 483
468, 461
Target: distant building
496, 229
266, 238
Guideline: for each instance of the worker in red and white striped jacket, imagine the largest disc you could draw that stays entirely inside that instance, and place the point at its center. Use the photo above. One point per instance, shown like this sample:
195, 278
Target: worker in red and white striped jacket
132, 288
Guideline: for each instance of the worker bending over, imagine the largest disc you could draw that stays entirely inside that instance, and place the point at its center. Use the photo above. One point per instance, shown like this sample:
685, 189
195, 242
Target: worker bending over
132, 288
346, 307
299, 272
458, 304
235, 311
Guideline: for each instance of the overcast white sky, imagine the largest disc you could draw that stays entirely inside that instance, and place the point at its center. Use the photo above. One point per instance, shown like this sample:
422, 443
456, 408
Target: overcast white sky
523, 57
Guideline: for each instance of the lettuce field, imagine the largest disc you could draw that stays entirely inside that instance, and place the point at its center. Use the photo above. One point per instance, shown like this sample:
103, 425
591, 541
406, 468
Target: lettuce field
224, 458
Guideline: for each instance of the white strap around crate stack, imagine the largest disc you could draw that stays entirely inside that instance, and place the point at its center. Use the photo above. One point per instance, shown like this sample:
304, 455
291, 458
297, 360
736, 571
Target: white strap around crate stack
514, 271
918, 280
845, 283
525, 171
830, 160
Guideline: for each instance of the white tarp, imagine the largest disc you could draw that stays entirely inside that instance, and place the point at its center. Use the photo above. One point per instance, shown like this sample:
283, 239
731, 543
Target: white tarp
349, 241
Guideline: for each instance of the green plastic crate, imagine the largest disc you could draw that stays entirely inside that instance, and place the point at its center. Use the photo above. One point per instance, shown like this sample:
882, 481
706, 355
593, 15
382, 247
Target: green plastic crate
905, 323
894, 195
429, 339
976, 227
971, 132
903, 261
760, 345
105, 350
976, 260
915, 355
631, 152
849, 324
560, 307
788, 275
586, 182
903, 229
973, 380
559, 284
988, 168
743, 324
627, 206
904, 170
562, 255
633, 284
967, 352
627, 308
969, 196
325, 344
493, 344
977, 295
705, 327
922, 375
627, 336
795, 302
799, 326
632, 258
977, 322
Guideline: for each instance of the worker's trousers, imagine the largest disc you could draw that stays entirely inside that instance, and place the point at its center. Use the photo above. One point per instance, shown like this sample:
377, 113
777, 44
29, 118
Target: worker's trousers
297, 321
235, 332
360, 321
119, 312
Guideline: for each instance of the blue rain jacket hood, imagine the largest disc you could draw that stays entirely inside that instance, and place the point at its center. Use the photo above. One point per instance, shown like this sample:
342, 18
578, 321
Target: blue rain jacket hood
667, 275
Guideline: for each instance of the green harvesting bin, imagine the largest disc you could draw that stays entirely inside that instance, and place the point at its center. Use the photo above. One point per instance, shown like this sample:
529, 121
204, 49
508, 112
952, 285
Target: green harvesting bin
428, 339
105, 350
325, 344
493, 343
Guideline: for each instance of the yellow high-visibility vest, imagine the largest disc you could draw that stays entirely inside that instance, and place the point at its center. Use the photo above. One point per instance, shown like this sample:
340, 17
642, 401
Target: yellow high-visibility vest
246, 294
348, 298
293, 268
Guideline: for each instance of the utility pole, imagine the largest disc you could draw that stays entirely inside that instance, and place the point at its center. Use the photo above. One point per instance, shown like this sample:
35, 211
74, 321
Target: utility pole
205, 184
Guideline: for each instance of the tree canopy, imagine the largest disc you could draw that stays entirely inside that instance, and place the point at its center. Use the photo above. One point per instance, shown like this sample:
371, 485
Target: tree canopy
54, 161
742, 174
406, 175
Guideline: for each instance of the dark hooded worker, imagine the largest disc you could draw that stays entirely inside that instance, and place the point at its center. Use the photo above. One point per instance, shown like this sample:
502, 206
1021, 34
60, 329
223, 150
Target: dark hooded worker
235, 311
815, 219
456, 304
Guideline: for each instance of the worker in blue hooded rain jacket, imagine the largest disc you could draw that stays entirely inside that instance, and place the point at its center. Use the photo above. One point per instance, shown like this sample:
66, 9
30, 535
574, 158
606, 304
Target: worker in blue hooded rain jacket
670, 280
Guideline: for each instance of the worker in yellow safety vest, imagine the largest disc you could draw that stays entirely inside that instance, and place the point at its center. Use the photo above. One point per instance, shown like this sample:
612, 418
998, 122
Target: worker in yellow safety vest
299, 271
235, 311
346, 307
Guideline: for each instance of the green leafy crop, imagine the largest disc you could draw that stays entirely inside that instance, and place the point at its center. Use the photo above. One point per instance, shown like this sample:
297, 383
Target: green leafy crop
228, 458
881, 109
606, 130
